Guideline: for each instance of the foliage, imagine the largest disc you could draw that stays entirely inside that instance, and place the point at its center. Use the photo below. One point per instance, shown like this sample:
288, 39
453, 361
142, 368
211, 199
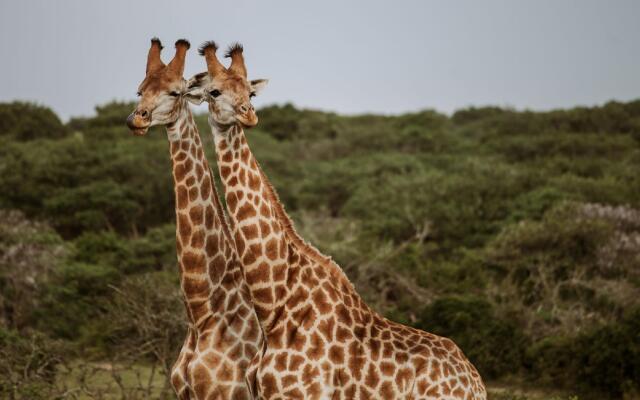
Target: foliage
603, 358
516, 233
25, 121
494, 345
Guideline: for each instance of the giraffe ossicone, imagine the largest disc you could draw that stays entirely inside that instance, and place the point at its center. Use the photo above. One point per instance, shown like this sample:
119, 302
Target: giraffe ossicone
223, 333
321, 339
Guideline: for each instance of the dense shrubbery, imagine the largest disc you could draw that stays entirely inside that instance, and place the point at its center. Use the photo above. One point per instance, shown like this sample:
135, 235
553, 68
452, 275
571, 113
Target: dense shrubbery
517, 234
495, 344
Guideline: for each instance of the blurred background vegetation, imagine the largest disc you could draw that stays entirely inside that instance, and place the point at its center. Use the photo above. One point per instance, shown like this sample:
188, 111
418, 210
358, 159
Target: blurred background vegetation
515, 233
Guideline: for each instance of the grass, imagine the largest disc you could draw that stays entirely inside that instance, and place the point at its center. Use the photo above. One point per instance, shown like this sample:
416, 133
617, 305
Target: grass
105, 381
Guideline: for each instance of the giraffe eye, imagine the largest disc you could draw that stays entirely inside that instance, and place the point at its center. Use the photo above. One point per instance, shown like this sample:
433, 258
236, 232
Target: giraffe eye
174, 94
138, 94
252, 94
215, 93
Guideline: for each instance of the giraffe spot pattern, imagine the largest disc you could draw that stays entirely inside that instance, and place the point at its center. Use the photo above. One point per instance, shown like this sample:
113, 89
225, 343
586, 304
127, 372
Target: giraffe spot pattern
322, 340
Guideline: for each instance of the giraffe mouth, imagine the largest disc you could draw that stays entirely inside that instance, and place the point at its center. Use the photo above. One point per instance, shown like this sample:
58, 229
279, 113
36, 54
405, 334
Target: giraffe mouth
248, 120
135, 128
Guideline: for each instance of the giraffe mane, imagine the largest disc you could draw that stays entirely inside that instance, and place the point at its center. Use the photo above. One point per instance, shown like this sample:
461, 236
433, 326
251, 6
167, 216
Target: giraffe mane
289, 229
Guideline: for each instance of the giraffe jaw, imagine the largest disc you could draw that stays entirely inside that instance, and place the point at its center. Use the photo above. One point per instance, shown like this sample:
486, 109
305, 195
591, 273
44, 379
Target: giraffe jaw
140, 131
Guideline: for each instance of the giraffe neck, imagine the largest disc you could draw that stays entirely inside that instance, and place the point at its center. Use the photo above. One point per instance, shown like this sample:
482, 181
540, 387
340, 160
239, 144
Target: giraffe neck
203, 240
269, 247
259, 238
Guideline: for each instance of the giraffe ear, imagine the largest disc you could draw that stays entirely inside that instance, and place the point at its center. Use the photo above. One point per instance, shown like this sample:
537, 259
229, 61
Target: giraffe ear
196, 92
257, 85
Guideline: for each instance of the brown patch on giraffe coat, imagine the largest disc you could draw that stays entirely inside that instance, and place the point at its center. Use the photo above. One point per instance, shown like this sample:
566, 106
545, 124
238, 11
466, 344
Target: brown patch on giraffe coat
194, 193
268, 386
374, 346
254, 181
326, 328
224, 172
350, 391
227, 156
271, 249
343, 314
212, 246
244, 156
403, 377
199, 172
294, 394
175, 147
297, 297
435, 373
372, 379
193, 262
246, 211
401, 357
197, 239
179, 172
295, 341
356, 359
239, 243
209, 217
317, 348
280, 361
386, 390
250, 232
279, 272
258, 274
200, 377
336, 354
182, 197
232, 201
265, 211
263, 295
249, 258
343, 334
309, 373
295, 361
195, 287
387, 368
205, 191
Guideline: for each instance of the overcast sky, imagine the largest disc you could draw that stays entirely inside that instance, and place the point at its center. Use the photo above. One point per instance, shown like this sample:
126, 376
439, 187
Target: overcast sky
345, 56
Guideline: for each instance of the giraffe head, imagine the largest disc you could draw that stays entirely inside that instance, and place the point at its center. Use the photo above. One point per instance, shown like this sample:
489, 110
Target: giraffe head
161, 90
227, 90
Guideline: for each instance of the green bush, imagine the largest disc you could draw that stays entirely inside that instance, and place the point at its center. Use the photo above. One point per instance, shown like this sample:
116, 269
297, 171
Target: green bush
494, 345
522, 225
604, 359
73, 298
28, 121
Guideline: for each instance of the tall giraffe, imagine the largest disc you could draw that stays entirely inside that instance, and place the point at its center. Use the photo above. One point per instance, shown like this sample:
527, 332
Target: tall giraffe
321, 339
223, 333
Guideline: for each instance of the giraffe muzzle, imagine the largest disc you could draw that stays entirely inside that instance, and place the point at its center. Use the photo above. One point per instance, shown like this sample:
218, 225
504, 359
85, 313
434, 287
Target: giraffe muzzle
247, 117
137, 123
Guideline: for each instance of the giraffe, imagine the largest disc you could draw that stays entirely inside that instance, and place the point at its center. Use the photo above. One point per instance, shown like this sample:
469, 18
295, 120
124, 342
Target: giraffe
223, 333
321, 340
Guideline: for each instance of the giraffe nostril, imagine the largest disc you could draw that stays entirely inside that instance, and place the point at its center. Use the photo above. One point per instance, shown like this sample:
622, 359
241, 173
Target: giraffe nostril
244, 108
144, 113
